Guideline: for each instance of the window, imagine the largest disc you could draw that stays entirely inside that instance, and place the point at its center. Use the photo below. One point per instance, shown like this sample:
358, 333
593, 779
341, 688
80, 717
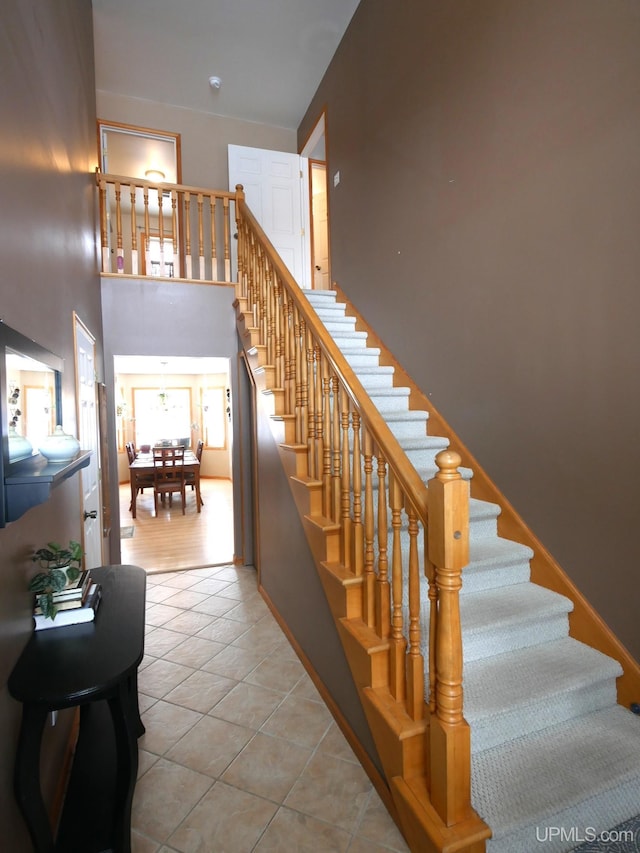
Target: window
161, 414
214, 417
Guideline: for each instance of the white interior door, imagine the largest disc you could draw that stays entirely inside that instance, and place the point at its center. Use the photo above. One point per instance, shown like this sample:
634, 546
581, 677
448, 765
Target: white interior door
276, 189
85, 347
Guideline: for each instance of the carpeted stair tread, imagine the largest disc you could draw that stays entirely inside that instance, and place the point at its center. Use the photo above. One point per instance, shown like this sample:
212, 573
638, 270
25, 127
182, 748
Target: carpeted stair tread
511, 695
581, 773
495, 562
507, 618
483, 517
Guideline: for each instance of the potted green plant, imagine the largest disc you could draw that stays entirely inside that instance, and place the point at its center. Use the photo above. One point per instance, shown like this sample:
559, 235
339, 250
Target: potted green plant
60, 565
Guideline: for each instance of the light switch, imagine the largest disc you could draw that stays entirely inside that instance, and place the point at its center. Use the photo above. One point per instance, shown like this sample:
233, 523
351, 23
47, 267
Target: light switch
336, 179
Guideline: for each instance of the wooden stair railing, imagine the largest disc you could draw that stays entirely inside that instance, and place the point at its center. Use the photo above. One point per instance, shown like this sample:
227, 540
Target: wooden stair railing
366, 510
192, 227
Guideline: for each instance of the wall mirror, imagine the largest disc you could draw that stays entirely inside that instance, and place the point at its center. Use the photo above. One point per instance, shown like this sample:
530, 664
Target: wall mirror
30, 399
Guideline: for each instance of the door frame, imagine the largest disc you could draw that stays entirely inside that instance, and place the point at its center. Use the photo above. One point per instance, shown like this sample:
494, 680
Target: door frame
315, 149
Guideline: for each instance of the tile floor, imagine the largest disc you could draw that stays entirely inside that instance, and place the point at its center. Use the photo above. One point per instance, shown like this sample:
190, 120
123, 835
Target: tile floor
240, 753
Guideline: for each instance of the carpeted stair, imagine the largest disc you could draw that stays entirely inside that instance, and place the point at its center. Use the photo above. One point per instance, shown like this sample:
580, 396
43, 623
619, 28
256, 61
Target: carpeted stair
552, 753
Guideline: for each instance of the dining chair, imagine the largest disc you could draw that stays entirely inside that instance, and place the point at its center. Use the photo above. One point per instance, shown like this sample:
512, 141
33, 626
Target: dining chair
168, 475
142, 481
190, 476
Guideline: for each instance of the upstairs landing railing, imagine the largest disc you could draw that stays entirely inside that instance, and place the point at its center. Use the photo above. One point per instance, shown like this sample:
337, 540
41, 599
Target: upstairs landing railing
392, 529
165, 230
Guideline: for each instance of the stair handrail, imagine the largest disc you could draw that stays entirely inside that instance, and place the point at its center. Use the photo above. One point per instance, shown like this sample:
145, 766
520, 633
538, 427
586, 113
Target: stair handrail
445, 506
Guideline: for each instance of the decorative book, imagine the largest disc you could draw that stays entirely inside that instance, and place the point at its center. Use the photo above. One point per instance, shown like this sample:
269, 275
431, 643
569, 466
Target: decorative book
75, 615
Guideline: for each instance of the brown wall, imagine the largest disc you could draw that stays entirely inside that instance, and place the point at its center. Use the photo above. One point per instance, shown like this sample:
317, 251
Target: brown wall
47, 246
486, 225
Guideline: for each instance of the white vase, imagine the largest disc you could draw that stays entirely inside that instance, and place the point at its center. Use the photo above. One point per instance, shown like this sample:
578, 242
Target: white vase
19, 446
59, 446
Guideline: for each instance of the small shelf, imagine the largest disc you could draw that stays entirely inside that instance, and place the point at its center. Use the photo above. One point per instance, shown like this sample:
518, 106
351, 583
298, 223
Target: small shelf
29, 482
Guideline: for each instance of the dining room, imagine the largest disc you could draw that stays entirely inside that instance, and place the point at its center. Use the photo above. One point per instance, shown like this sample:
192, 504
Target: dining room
178, 407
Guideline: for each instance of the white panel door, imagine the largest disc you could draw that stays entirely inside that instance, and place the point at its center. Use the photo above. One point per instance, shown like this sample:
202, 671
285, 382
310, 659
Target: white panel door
88, 437
276, 190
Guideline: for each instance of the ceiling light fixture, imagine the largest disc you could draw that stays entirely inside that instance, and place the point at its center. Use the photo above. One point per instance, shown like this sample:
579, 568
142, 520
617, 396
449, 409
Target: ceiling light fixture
154, 174
215, 82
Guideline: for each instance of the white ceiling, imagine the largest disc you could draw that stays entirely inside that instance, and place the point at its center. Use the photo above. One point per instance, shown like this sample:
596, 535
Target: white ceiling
270, 54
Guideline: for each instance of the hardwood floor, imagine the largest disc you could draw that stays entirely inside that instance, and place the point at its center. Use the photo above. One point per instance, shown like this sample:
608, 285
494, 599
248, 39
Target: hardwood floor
175, 541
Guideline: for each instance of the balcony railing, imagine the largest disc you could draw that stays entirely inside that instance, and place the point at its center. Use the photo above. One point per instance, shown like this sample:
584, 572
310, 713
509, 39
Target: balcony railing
166, 230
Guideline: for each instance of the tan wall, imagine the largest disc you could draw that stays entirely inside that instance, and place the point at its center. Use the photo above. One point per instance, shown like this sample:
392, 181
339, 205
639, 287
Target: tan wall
486, 225
47, 158
204, 137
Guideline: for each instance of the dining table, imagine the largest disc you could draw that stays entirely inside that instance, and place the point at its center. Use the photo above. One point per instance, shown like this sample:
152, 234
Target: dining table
141, 475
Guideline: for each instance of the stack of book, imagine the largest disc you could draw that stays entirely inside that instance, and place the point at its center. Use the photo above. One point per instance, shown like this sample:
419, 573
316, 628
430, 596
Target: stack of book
77, 602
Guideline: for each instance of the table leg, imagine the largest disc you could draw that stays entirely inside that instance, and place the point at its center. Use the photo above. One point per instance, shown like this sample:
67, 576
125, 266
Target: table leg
199, 500
134, 493
124, 726
27, 778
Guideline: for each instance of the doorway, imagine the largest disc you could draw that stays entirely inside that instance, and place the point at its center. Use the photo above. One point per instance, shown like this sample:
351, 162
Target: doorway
315, 149
175, 399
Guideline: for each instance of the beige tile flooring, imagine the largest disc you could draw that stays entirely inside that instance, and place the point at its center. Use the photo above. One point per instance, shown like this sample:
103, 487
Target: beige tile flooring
240, 752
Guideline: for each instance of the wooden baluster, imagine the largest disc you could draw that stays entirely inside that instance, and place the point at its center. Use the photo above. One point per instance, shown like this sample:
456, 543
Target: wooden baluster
345, 481
119, 247
311, 419
398, 647
264, 302
297, 363
335, 451
104, 227
319, 425
270, 320
326, 441
304, 384
289, 357
188, 260
369, 585
161, 229
240, 230
430, 574
134, 232
279, 325
415, 660
253, 282
357, 528
214, 253
383, 602
201, 237
147, 259
174, 234
450, 741
227, 240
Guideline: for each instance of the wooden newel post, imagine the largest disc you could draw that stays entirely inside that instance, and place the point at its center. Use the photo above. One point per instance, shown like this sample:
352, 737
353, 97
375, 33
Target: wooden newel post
450, 741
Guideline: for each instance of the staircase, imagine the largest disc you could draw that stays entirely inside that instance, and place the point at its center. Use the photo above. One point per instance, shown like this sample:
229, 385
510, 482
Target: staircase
432, 590
551, 748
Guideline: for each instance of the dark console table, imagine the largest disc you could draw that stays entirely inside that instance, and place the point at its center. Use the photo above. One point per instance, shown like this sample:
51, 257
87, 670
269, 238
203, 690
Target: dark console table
93, 666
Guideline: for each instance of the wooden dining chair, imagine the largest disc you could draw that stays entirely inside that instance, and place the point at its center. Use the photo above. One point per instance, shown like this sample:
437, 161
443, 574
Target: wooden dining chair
191, 475
168, 475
